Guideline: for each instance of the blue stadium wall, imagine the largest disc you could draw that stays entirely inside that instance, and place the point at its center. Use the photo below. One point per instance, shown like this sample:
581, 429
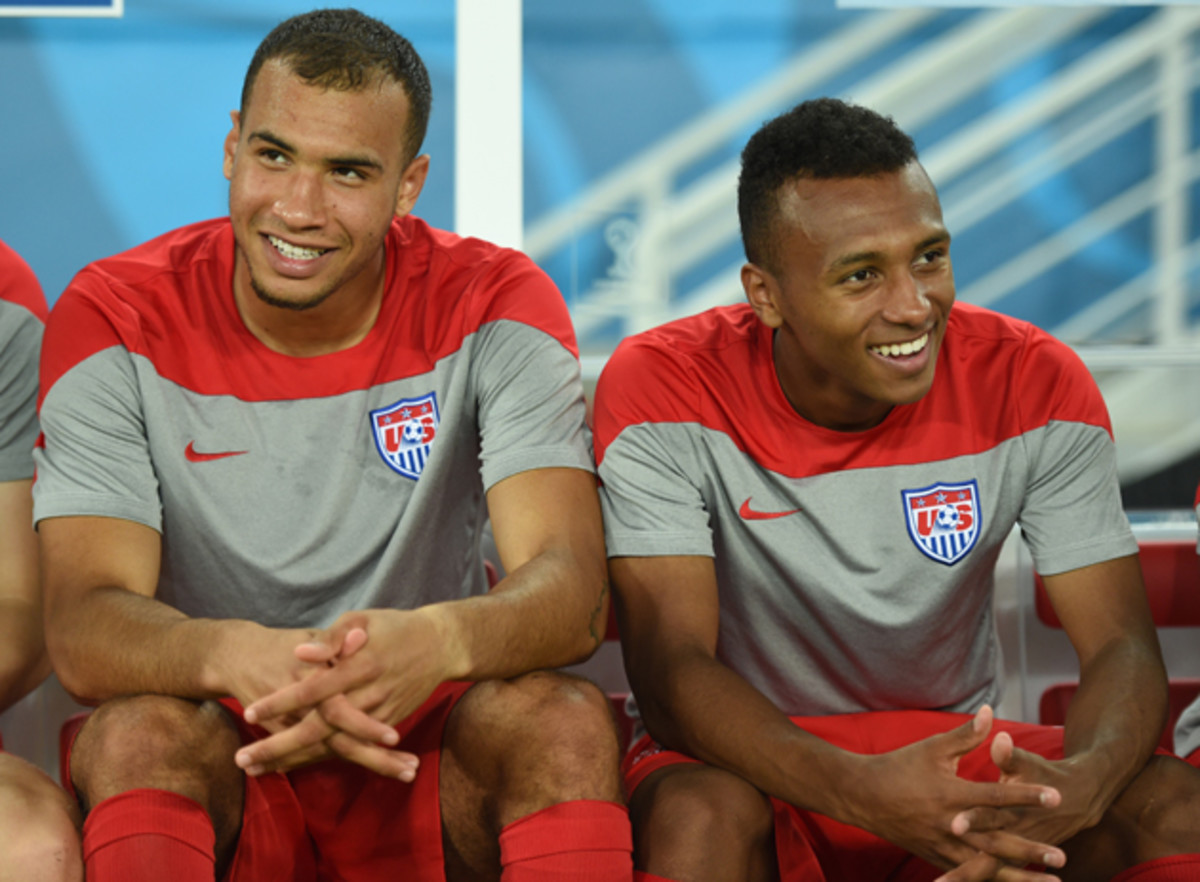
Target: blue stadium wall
112, 128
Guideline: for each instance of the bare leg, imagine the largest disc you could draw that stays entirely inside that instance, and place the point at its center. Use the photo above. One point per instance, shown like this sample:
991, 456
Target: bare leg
1156, 816
163, 743
39, 827
515, 747
696, 823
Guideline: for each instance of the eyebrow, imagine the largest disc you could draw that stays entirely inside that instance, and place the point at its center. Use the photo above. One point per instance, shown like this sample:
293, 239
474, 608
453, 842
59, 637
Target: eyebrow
871, 256
337, 161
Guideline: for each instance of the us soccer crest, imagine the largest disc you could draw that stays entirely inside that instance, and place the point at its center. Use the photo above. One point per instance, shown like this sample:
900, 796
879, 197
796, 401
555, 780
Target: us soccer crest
404, 432
944, 519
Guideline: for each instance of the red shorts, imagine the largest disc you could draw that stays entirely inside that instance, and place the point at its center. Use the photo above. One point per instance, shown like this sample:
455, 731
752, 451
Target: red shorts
813, 847
338, 822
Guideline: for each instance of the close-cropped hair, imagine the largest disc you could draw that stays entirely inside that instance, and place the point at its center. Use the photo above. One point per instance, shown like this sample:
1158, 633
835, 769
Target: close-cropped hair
346, 50
823, 138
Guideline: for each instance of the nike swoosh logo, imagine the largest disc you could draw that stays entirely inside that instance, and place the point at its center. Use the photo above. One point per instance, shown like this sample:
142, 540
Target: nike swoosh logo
194, 456
750, 514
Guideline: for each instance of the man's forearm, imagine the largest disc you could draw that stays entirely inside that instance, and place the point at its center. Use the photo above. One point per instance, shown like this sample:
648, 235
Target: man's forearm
113, 642
1118, 713
548, 613
709, 712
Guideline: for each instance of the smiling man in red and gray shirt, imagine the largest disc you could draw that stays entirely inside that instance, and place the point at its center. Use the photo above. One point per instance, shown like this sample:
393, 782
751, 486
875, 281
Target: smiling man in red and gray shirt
804, 500
272, 444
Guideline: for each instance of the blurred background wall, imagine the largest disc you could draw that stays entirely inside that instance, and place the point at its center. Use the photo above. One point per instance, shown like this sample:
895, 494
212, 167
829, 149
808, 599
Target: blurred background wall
1062, 140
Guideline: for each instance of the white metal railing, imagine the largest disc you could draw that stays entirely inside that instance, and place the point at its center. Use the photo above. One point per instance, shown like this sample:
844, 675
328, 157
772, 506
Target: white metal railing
1156, 41
913, 91
1175, 163
1116, 306
675, 229
914, 94
1148, 73
1113, 214
651, 173
1133, 357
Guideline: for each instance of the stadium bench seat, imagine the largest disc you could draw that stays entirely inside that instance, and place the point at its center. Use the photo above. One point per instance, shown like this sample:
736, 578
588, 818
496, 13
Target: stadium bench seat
1171, 571
1052, 709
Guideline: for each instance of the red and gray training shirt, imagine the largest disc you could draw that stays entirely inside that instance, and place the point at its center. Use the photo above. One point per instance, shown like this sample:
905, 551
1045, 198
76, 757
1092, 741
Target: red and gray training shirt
22, 313
855, 568
289, 490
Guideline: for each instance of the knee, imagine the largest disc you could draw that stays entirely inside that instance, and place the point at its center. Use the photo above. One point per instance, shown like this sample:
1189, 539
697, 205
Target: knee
685, 808
153, 741
154, 730
39, 827
563, 717
1166, 816
47, 850
536, 740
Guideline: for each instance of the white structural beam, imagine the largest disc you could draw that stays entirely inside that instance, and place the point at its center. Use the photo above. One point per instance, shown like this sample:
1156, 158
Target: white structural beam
488, 175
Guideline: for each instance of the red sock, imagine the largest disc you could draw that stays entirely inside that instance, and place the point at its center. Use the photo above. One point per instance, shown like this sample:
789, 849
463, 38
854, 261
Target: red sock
584, 840
1177, 868
151, 835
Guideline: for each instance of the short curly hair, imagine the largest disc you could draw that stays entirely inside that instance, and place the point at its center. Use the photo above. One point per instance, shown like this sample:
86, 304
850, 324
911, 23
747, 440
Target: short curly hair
347, 50
821, 138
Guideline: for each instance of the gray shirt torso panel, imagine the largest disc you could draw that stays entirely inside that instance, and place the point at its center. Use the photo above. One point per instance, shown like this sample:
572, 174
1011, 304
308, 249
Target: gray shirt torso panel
304, 519
831, 609
1187, 730
853, 598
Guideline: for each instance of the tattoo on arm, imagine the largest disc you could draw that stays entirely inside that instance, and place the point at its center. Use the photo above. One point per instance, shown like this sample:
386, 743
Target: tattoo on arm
596, 627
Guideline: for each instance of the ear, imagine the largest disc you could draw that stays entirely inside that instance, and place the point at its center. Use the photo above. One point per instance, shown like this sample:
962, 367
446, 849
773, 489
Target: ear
411, 184
762, 291
231, 142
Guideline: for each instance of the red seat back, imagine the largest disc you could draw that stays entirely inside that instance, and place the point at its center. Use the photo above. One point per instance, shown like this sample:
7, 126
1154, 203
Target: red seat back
66, 737
1052, 710
1171, 571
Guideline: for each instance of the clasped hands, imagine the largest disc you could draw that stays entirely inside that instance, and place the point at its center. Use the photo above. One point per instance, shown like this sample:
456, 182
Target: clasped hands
975, 831
978, 830
372, 669
350, 685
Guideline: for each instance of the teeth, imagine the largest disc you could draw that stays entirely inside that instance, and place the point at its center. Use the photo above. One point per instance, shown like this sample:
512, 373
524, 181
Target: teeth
295, 252
893, 350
